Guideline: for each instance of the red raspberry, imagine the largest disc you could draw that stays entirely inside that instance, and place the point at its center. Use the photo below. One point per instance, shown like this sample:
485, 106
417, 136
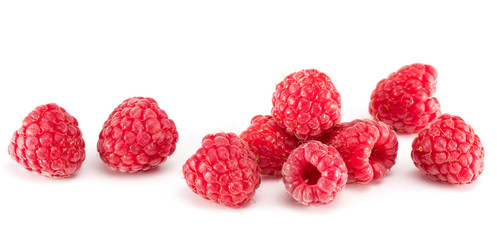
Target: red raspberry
306, 104
137, 136
314, 173
369, 148
403, 100
270, 143
223, 170
49, 142
449, 151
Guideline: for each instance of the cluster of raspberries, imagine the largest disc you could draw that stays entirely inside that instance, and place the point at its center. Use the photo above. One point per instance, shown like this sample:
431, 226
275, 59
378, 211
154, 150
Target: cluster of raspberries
304, 142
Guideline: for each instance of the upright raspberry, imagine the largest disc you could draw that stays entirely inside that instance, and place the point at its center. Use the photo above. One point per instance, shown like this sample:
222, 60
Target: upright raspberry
49, 142
314, 173
223, 170
270, 143
369, 148
404, 99
449, 151
306, 104
137, 136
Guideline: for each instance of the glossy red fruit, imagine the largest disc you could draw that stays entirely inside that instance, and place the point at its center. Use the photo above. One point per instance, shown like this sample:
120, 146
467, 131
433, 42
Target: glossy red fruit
137, 136
369, 148
314, 173
49, 142
223, 170
306, 104
270, 143
449, 151
405, 99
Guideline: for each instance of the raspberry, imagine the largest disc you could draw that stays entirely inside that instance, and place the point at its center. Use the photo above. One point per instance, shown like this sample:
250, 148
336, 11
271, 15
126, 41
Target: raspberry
306, 104
49, 142
270, 143
369, 148
314, 173
223, 170
137, 136
404, 99
449, 151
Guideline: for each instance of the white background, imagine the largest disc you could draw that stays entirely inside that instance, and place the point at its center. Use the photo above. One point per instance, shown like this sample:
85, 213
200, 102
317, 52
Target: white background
212, 65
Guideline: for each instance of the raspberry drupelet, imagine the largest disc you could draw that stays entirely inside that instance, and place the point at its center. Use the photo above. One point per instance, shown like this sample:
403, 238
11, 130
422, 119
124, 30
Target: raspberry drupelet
306, 104
449, 151
137, 136
49, 142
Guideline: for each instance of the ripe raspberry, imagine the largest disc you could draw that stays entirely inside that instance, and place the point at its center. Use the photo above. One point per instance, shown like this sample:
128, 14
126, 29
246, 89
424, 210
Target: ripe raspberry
449, 151
404, 99
306, 104
137, 136
223, 170
314, 173
369, 148
49, 142
270, 143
